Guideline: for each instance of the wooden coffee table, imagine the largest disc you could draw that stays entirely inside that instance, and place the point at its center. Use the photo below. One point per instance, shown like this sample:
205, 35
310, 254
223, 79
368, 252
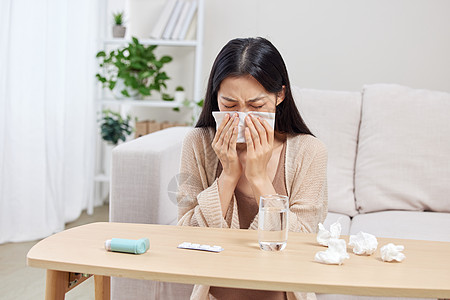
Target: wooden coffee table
424, 273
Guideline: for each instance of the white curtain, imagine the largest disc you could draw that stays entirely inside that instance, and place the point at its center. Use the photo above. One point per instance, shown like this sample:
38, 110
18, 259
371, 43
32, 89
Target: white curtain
47, 117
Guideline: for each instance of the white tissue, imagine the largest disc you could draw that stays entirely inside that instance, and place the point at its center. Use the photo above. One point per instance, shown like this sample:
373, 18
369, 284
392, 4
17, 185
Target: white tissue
392, 252
219, 115
363, 243
335, 254
323, 236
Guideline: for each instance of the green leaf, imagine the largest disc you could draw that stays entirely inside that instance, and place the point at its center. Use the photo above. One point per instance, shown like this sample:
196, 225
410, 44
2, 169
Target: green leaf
200, 103
158, 64
167, 97
165, 59
135, 40
136, 65
144, 91
140, 49
145, 74
101, 54
134, 83
100, 78
118, 18
162, 76
112, 84
125, 93
176, 109
155, 87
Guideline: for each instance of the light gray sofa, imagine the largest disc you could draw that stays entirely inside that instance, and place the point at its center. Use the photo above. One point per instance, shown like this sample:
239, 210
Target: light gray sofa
388, 171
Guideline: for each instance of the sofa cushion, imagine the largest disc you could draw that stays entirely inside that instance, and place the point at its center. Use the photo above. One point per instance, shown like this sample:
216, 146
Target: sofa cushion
343, 219
403, 160
416, 225
334, 118
143, 178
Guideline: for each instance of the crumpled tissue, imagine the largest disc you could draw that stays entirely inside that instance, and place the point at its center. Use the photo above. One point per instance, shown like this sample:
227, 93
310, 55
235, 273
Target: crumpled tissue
335, 254
323, 236
363, 243
392, 252
219, 115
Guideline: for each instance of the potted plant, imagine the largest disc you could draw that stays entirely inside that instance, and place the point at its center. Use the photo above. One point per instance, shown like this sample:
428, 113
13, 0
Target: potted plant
114, 128
179, 94
133, 70
118, 28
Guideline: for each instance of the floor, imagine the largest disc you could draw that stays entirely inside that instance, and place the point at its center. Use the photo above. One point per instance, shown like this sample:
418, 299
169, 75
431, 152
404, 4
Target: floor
17, 281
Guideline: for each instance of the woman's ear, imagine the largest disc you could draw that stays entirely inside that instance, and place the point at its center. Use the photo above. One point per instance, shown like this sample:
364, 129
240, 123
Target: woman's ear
280, 95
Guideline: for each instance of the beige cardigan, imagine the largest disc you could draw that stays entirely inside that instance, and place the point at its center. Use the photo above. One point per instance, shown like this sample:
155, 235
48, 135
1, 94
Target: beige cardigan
198, 195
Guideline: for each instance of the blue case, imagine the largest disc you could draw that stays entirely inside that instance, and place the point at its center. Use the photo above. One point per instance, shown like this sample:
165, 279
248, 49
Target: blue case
129, 246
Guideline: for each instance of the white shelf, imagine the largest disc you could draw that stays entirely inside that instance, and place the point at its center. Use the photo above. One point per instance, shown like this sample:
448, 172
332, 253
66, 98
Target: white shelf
147, 103
185, 43
125, 104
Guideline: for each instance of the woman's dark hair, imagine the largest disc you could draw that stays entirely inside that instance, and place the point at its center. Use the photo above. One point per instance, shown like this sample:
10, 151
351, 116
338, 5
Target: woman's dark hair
259, 58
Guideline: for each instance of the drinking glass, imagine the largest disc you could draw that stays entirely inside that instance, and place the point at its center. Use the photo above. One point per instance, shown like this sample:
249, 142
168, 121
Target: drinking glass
273, 222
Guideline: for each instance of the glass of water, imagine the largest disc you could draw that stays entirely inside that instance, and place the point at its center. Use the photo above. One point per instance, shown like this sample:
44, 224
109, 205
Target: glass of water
273, 222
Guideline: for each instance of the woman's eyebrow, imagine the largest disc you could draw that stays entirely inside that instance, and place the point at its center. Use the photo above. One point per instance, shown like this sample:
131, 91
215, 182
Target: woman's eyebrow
250, 100
228, 99
256, 99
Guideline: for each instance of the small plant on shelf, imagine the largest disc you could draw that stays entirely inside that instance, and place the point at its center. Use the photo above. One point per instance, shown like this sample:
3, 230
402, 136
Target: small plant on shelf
118, 28
114, 127
179, 94
134, 70
118, 18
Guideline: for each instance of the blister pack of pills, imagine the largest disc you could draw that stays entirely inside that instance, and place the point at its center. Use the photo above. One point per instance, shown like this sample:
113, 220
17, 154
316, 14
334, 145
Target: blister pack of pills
191, 246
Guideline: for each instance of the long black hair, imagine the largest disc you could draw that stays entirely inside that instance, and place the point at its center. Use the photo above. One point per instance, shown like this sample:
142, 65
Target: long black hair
259, 58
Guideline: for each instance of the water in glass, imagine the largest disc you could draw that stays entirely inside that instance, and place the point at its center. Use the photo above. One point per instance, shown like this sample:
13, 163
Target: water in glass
272, 222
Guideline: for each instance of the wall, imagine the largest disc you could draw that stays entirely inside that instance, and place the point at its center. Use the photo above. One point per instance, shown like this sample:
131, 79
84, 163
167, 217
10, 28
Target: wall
328, 44
342, 45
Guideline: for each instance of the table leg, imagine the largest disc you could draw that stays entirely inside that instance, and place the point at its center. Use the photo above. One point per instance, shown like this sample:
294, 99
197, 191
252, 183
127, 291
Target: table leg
102, 287
56, 285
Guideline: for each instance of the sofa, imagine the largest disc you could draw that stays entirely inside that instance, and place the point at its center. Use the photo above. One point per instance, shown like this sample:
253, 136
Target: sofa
388, 170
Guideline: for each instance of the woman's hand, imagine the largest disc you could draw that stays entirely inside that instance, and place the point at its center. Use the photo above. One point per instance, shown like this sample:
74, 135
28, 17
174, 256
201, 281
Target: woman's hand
259, 137
224, 144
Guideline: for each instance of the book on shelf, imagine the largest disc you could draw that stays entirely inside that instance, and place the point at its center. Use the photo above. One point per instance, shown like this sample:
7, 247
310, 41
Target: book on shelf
180, 21
188, 21
163, 19
173, 20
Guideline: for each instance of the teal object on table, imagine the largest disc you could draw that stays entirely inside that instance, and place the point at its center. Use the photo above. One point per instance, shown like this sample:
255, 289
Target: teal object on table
128, 246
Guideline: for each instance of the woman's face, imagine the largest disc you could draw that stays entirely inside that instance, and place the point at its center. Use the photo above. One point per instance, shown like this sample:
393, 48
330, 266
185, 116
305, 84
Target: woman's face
246, 94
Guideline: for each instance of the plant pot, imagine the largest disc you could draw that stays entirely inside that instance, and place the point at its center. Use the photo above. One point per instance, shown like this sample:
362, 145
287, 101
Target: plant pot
120, 85
119, 31
179, 97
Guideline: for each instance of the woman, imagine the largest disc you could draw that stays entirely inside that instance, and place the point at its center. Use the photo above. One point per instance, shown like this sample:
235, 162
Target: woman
222, 180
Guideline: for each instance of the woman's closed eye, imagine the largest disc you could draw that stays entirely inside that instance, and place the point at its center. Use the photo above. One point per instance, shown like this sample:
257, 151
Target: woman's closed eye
229, 106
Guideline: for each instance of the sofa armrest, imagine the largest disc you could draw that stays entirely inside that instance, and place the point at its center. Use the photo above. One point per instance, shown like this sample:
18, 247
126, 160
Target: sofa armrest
141, 172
